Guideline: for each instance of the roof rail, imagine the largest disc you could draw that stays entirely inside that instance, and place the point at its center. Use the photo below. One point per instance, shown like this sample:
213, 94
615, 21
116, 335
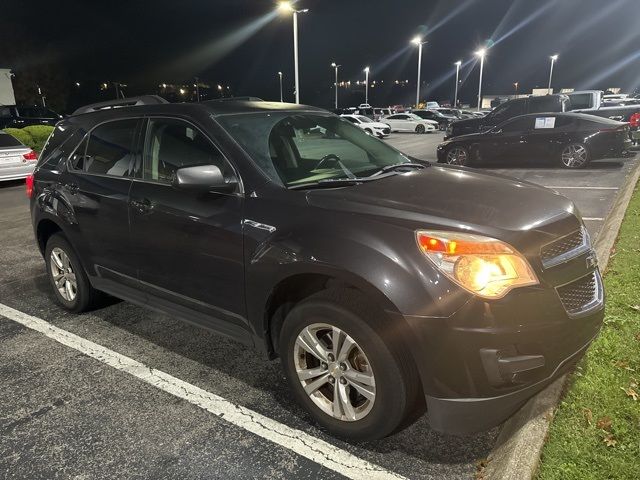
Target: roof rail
237, 99
120, 103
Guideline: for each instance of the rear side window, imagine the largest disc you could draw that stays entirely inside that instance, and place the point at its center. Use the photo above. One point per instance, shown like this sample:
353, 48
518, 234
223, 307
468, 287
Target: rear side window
172, 144
60, 144
110, 149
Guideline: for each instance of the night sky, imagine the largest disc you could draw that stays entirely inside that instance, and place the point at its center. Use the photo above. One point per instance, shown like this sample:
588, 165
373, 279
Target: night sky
244, 43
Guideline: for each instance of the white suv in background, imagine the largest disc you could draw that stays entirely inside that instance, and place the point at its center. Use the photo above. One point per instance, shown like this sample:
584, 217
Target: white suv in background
378, 129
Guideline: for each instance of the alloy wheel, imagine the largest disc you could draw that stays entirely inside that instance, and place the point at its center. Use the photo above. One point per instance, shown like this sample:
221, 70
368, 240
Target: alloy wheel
457, 156
334, 372
63, 275
574, 156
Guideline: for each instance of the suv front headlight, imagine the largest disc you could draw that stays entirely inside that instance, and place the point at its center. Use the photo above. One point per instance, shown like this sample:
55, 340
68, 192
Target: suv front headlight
482, 265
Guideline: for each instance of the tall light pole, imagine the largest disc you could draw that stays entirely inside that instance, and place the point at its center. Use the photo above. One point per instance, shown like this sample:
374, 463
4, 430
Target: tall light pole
336, 66
553, 60
455, 96
417, 40
515, 85
280, 75
481, 53
366, 85
287, 7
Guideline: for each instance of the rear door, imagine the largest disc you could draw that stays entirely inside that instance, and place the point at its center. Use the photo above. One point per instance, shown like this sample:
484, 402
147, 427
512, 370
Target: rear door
188, 244
97, 183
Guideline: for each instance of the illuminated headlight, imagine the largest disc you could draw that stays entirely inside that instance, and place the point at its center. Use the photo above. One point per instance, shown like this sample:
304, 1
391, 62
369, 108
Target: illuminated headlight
482, 265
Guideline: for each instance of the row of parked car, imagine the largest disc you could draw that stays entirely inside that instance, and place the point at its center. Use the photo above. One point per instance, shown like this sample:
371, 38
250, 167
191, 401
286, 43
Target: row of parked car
572, 129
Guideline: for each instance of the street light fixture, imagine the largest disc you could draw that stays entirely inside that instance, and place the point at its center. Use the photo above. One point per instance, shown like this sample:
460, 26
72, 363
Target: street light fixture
455, 97
553, 60
288, 7
417, 40
280, 75
481, 53
515, 85
366, 87
336, 66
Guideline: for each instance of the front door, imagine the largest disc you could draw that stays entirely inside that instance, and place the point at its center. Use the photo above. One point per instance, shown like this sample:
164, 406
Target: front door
189, 244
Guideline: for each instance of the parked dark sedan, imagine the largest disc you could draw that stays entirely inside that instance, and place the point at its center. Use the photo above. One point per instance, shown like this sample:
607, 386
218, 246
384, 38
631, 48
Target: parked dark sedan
18, 116
386, 286
570, 139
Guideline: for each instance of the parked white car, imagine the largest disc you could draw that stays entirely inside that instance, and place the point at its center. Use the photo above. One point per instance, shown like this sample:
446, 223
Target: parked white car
409, 122
378, 129
16, 160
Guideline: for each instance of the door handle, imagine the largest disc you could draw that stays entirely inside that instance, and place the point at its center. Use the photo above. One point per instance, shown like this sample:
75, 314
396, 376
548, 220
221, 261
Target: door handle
143, 206
72, 187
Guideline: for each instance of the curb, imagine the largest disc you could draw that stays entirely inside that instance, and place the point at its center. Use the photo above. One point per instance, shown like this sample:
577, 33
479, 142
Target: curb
516, 454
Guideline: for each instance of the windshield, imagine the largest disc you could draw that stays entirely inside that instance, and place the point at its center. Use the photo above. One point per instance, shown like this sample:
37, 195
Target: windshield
294, 149
364, 119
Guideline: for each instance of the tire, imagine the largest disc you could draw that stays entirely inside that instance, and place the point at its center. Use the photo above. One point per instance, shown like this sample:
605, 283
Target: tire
442, 127
386, 373
457, 155
76, 293
368, 131
574, 155
420, 128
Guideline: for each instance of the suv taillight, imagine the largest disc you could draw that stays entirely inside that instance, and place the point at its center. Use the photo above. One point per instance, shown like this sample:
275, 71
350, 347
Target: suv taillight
634, 121
30, 156
29, 185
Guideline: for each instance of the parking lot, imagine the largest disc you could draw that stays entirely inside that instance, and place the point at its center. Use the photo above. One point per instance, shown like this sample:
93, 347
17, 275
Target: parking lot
67, 414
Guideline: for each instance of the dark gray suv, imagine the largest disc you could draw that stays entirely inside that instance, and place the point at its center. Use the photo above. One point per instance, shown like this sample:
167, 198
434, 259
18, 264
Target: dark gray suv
387, 286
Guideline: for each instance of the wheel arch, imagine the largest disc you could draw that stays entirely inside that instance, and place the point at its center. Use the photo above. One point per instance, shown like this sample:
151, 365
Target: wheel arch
44, 230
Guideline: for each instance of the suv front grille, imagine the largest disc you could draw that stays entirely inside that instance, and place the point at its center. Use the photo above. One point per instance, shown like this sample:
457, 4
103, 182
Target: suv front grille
581, 295
565, 248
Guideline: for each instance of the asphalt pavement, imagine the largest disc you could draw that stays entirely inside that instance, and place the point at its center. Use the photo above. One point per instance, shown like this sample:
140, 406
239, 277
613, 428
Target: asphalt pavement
66, 414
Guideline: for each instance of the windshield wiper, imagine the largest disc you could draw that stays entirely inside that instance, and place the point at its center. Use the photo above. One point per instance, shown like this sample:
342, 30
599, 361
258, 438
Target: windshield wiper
329, 183
397, 166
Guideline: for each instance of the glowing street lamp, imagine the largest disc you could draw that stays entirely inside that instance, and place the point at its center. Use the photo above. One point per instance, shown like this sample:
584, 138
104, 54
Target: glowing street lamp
417, 40
481, 53
455, 96
280, 75
366, 88
553, 60
515, 85
288, 7
336, 66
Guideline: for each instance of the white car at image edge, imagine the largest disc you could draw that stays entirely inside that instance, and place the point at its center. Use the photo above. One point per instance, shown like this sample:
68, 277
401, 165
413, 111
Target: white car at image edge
409, 122
378, 129
16, 160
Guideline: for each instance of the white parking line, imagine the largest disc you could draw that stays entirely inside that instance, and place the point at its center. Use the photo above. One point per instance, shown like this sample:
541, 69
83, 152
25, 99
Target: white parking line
593, 219
583, 188
303, 444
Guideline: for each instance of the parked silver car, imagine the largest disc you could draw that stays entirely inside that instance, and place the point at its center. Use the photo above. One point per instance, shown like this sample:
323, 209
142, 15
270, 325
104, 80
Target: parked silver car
16, 160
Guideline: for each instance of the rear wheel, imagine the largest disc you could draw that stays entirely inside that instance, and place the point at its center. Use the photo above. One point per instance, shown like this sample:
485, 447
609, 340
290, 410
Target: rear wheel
67, 277
574, 155
457, 156
420, 128
356, 382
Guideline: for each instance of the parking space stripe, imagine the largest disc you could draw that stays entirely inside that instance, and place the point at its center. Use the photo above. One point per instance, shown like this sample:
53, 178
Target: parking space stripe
582, 188
308, 446
593, 219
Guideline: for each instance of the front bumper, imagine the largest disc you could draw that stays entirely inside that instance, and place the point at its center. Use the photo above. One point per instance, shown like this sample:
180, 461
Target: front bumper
478, 366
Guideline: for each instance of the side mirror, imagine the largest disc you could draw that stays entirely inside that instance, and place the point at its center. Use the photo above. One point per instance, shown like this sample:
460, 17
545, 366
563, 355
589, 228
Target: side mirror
204, 178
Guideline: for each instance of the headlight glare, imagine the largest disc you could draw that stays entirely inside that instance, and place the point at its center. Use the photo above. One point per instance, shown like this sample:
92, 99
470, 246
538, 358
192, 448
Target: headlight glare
482, 265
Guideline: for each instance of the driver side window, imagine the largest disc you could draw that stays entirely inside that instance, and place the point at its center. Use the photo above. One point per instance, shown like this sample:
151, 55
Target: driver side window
172, 144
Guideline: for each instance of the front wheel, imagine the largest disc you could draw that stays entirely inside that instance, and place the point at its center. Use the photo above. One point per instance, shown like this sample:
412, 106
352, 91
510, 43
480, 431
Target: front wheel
368, 131
420, 129
574, 155
356, 382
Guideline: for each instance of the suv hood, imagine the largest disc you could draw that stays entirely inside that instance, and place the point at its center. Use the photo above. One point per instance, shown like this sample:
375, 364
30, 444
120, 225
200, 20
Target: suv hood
449, 197
467, 125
